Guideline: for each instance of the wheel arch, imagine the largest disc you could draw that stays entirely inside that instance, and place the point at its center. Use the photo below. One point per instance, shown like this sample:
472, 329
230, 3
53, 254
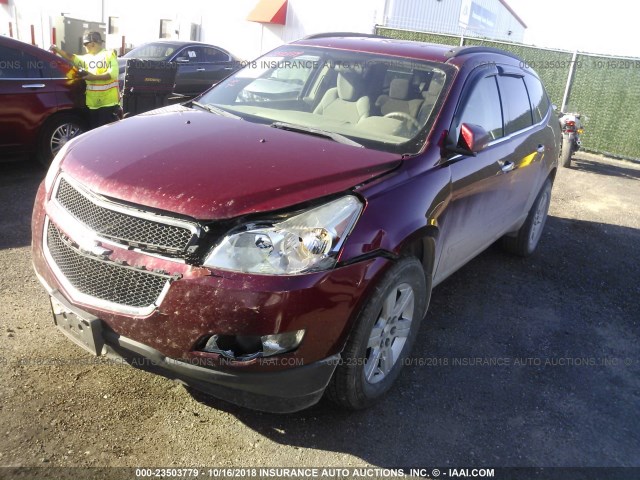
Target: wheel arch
41, 140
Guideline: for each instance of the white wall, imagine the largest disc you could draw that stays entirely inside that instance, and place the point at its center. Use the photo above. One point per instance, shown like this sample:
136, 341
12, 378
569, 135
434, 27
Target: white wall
306, 17
223, 23
228, 27
5, 18
139, 19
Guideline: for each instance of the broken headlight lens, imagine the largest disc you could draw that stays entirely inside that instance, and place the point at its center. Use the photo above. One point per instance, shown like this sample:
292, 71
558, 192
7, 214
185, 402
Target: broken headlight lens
309, 241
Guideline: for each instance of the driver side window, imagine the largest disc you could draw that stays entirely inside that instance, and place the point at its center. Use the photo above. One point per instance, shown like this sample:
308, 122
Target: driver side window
483, 108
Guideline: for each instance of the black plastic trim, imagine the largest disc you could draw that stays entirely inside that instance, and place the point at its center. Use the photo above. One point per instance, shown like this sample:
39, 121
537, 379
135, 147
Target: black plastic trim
282, 391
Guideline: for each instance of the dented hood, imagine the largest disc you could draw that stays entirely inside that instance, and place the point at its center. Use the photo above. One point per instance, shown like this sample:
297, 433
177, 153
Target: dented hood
208, 166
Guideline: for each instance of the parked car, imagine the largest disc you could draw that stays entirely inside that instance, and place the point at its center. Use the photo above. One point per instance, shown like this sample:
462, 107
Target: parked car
269, 249
200, 65
41, 101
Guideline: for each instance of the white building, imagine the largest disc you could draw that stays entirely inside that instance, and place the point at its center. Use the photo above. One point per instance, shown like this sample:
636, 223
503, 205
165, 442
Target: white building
249, 28
493, 19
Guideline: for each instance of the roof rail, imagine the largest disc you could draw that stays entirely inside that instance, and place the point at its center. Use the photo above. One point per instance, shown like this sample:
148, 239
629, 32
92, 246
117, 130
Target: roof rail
341, 34
458, 51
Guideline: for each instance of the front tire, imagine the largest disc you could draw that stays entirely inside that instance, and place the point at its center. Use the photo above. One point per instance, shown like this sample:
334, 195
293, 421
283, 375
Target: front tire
527, 237
382, 338
57, 131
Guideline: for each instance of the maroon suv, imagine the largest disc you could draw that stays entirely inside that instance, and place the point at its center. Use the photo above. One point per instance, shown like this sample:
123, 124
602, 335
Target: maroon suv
41, 101
279, 236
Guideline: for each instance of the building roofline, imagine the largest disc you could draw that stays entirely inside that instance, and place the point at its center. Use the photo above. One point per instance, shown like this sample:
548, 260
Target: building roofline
512, 11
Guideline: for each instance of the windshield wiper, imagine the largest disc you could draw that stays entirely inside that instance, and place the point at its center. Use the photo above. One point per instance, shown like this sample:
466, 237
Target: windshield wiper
216, 110
336, 137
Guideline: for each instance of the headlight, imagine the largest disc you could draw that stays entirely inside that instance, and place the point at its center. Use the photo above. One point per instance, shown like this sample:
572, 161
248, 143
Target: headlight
52, 173
306, 242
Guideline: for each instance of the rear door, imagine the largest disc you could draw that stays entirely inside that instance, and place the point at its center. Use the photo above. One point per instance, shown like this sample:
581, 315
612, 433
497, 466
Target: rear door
27, 98
201, 67
217, 65
526, 137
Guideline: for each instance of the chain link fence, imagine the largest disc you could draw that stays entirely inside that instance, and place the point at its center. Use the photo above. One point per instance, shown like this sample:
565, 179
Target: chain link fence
605, 90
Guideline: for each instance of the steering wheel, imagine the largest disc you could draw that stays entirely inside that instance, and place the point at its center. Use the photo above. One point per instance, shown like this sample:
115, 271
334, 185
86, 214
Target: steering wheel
404, 116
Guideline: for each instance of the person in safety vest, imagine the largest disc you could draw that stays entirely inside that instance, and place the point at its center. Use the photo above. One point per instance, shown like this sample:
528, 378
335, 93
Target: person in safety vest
99, 68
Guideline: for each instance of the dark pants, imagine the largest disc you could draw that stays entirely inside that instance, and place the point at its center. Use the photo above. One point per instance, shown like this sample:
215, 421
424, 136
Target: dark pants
101, 116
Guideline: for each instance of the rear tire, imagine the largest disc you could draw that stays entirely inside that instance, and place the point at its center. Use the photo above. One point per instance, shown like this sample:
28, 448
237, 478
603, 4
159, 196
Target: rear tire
567, 150
57, 131
527, 237
382, 338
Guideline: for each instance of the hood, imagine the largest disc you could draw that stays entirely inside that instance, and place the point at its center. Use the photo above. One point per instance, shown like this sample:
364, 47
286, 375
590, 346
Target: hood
213, 167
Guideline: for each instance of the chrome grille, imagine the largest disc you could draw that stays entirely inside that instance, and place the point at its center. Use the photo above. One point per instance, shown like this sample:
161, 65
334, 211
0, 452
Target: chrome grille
129, 229
104, 279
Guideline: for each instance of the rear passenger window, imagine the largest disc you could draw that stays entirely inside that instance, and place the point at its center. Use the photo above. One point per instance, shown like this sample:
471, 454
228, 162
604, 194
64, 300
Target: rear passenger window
12, 63
538, 97
515, 104
215, 55
483, 107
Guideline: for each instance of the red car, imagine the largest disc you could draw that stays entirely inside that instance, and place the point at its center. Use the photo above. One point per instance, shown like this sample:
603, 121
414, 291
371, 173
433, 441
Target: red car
41, 101
278, 237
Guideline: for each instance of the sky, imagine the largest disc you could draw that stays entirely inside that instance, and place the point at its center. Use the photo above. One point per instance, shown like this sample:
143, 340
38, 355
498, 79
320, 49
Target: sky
609, 27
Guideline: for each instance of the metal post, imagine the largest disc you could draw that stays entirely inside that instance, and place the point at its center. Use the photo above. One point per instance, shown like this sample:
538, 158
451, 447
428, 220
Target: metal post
11, 29
33, 35
567, 89
53, 36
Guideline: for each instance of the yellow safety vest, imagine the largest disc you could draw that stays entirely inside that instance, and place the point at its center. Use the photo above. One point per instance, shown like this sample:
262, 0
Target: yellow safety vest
100, 93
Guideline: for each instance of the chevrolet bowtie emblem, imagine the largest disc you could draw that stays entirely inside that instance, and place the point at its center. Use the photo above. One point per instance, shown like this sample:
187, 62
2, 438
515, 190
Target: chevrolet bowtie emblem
100, 250
94, 248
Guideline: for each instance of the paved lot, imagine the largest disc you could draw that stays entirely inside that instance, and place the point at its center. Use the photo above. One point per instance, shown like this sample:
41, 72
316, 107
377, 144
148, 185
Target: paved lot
521, 362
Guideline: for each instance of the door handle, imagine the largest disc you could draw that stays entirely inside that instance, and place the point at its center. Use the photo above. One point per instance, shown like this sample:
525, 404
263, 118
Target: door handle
199, 69
508, 166
34, 85
540, 149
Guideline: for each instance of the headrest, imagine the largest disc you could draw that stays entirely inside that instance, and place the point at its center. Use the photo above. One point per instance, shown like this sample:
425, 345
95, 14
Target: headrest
348, 83
399, 88
438, 79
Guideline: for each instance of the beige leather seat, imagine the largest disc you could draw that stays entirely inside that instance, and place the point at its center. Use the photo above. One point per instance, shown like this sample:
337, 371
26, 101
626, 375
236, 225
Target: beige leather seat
399, 99
435, 87
343, 102
430, 96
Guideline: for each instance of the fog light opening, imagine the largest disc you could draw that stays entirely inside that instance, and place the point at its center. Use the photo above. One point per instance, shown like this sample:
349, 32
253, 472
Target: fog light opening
281, 342
248, 347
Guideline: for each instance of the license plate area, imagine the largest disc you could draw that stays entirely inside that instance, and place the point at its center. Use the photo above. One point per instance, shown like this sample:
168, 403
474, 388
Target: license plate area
83, 329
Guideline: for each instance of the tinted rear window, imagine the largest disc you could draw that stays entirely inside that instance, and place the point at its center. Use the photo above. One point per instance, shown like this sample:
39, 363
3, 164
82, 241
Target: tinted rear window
515, 104
538, 97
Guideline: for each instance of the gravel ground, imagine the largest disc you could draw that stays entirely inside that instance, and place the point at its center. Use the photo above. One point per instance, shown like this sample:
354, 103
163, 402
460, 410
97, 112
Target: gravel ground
521, 362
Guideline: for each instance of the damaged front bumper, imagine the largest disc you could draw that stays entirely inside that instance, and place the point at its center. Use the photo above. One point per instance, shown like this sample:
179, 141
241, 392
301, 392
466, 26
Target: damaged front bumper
282, 391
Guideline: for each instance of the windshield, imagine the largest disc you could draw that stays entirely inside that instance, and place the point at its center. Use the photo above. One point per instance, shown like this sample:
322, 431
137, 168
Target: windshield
382, 102
152, 51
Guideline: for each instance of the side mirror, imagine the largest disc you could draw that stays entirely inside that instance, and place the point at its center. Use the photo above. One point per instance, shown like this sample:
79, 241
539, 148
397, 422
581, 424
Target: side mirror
473, 138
